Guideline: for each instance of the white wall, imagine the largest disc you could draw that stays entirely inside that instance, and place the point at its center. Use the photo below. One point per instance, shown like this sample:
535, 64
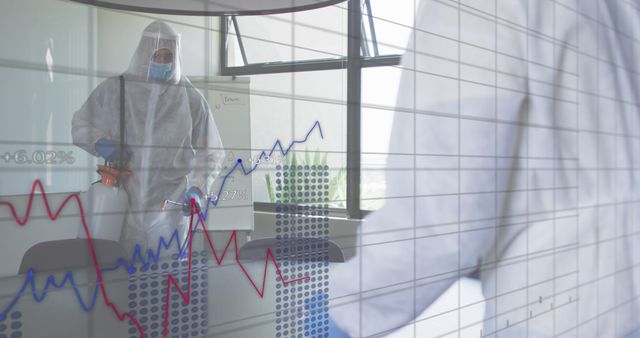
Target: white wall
46, 64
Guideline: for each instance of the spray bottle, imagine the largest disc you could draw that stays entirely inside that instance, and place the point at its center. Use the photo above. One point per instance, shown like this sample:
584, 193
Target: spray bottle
107, 200
107, 203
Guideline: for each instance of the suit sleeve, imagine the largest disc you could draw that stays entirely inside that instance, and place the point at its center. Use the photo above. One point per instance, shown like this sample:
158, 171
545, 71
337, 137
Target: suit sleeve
94, 120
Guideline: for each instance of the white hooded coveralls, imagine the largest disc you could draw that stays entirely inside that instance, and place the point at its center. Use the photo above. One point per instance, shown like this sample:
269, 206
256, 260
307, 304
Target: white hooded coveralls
169, 128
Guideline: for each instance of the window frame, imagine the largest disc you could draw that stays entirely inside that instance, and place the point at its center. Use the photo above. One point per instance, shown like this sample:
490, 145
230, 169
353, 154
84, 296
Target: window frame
358, 57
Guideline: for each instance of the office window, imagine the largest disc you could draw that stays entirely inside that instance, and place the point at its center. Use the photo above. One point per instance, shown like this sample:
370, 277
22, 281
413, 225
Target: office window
286, 107
392, 23
297, 64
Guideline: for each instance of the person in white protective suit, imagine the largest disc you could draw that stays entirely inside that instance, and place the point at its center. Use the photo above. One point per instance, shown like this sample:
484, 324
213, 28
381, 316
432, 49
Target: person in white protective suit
515, 158
170, 134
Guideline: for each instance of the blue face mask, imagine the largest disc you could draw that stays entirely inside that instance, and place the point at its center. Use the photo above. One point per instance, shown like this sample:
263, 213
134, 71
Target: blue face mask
160, 71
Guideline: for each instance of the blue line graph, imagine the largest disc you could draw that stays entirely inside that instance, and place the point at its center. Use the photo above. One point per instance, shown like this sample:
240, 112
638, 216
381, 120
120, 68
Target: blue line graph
263, 154
152, 257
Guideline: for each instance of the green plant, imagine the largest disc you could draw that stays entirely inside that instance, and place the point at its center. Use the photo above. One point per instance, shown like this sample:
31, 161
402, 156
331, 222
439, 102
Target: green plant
317, 164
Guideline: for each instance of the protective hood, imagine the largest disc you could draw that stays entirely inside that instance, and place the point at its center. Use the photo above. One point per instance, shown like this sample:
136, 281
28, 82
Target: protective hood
159, 44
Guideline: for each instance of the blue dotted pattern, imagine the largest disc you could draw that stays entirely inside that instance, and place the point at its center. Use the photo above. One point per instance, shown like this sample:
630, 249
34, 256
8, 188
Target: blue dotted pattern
147, 292
302, 231
11, 327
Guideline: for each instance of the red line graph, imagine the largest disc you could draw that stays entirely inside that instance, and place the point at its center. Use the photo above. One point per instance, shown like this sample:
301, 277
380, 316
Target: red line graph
21, 221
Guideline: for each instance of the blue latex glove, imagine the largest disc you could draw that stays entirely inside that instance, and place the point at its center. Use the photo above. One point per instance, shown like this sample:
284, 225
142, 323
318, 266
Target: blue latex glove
110, 150
193, 193
318, 323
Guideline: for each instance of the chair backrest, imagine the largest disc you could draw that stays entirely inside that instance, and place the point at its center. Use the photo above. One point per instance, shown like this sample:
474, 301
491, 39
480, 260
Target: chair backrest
257, 249
70, 254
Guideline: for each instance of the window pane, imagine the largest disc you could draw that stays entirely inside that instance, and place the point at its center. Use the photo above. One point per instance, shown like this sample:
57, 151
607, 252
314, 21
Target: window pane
286, 107
320, 33
392, 23
379, 111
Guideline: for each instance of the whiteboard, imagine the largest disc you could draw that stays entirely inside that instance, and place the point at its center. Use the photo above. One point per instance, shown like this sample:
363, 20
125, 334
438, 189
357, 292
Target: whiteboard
228, 98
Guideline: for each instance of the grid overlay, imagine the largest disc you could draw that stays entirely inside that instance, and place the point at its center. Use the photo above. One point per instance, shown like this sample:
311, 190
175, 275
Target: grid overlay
543, 166
512, 157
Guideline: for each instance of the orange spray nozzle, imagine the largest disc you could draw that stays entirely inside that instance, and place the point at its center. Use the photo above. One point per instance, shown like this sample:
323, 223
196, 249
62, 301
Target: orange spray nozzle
111, 176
